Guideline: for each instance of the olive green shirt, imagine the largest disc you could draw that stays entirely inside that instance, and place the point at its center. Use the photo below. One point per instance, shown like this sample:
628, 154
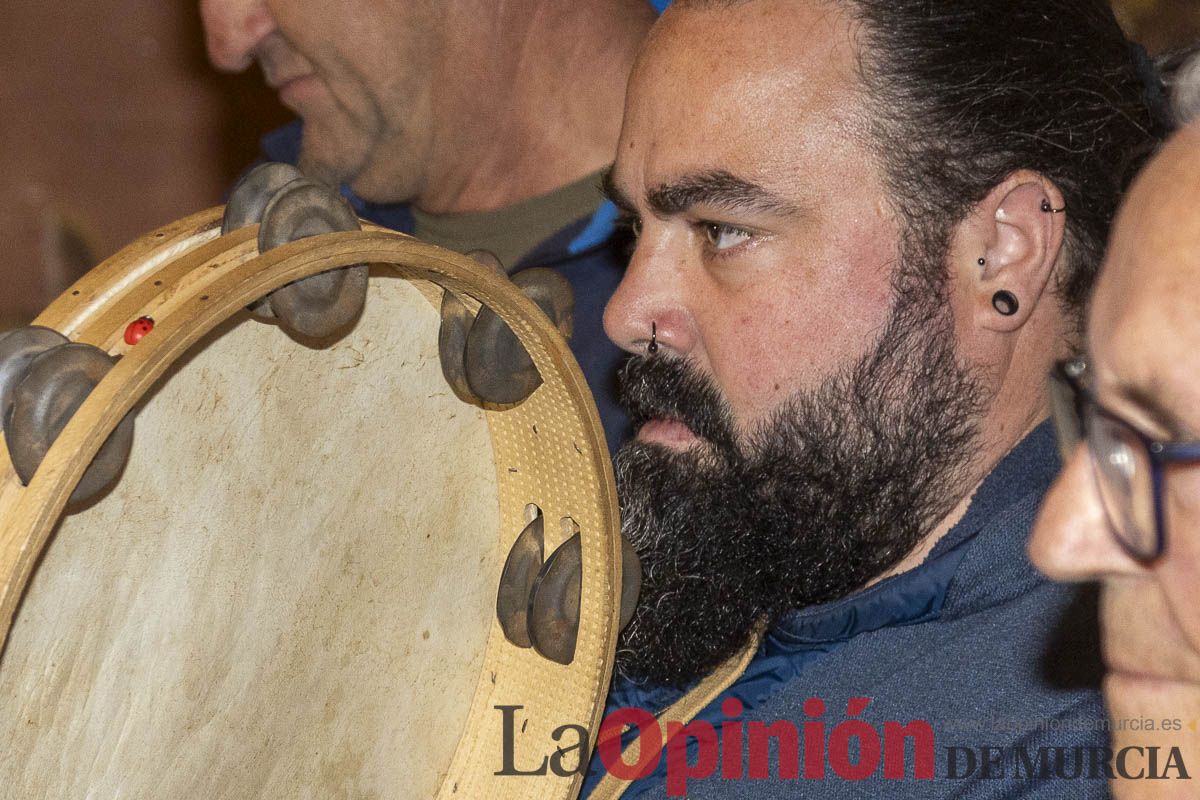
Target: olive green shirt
512, 232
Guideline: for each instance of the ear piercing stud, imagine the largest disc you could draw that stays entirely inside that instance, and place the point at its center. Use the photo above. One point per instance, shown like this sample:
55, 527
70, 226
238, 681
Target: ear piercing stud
652, 348
1049, 209
1005, 302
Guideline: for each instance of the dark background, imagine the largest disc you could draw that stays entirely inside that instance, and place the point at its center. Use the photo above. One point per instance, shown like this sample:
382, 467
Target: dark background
113, 124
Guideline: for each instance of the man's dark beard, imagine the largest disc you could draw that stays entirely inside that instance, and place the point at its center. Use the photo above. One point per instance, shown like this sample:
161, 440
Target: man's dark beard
837, 487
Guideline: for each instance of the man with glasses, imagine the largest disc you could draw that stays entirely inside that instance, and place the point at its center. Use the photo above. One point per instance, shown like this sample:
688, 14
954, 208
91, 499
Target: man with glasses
1126, 509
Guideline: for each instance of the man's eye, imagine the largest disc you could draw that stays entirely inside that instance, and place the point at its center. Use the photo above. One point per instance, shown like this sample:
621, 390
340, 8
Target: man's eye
631, 224
723, 237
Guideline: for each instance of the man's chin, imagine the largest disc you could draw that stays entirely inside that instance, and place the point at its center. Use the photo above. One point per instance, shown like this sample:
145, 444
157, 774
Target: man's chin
332, 151
315, 165
1150, 695
1150, 717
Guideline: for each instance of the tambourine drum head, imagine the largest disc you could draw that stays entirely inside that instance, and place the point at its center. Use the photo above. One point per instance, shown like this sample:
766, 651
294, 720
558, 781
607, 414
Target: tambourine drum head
289, 592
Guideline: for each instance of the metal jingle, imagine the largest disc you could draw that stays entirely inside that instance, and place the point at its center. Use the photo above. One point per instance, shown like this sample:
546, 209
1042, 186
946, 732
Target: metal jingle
251, 194
246, 204
55, 385
486, 258
498, 368
452, 335
452, 344
18, 348
554, 603
516, 582
631, 582
321, 304
261, 308
553, 295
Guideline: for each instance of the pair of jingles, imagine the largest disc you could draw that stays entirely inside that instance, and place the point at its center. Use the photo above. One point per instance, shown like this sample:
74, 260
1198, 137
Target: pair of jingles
337, 545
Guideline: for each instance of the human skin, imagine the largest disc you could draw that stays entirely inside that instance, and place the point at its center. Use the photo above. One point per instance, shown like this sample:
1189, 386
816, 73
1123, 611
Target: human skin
1142, 344
455, 105
770, 283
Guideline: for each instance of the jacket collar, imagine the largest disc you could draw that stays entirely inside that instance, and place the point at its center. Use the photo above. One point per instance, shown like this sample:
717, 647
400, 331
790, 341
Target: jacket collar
993, 529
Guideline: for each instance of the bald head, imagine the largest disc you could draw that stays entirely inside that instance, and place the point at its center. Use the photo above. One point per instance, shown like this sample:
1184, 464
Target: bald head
1144, 328
1156, 239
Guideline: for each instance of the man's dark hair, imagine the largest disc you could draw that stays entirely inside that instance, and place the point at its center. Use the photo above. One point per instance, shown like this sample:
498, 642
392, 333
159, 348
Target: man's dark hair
968, 92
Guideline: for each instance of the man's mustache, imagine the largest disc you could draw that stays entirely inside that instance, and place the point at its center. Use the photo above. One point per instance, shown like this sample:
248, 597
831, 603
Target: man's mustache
666, 387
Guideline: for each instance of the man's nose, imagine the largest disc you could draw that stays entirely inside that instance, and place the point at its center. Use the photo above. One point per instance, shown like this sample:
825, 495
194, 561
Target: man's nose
233, 29
1072, 538
649, 305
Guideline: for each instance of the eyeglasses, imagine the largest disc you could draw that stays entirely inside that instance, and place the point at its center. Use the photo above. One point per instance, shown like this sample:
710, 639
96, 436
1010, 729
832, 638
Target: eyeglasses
1129, 466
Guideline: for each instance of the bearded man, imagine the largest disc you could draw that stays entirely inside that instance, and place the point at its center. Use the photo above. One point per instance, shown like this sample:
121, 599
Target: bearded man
866, 230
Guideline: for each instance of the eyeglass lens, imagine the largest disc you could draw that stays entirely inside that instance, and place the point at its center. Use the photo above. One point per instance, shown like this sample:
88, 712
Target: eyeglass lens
1065, 412
1125, 478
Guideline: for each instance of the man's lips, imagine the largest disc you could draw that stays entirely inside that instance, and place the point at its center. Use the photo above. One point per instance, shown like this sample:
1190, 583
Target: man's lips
279, 83
285, 78
293, 91
669, 432
1129, 672
1120, 684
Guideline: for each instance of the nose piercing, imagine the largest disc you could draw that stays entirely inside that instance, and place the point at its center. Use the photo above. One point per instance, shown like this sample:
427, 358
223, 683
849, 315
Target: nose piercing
1048, 209
652, 348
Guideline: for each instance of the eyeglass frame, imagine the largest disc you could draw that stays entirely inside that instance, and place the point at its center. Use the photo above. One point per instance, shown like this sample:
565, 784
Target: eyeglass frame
1159, 453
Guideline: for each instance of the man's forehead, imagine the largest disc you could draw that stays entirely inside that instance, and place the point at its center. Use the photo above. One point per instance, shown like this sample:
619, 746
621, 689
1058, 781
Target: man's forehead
1144, 326
716, 39
746, 89
1154, 255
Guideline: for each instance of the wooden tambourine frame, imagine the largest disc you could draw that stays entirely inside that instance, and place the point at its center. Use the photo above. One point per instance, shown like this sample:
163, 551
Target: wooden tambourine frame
549, 450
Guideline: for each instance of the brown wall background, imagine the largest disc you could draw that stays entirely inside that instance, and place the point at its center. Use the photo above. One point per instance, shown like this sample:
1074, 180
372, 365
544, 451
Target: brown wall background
1160, 24
112, 123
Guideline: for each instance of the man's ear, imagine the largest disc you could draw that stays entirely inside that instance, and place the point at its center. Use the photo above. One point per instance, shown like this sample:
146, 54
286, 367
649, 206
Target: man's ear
1004, 253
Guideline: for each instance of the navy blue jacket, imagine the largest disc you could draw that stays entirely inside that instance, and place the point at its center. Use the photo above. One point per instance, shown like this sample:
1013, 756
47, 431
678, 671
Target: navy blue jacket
585, 253
974, 641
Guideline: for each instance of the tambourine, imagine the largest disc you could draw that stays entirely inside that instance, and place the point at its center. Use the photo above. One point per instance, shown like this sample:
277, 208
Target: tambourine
303, 565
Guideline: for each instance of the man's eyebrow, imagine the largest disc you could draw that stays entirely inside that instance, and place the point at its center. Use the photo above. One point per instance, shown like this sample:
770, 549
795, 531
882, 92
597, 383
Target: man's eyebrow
610, 189
715, 188
1149, 401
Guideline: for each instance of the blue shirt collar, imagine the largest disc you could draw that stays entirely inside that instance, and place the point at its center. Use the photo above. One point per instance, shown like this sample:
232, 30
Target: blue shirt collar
919, 594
